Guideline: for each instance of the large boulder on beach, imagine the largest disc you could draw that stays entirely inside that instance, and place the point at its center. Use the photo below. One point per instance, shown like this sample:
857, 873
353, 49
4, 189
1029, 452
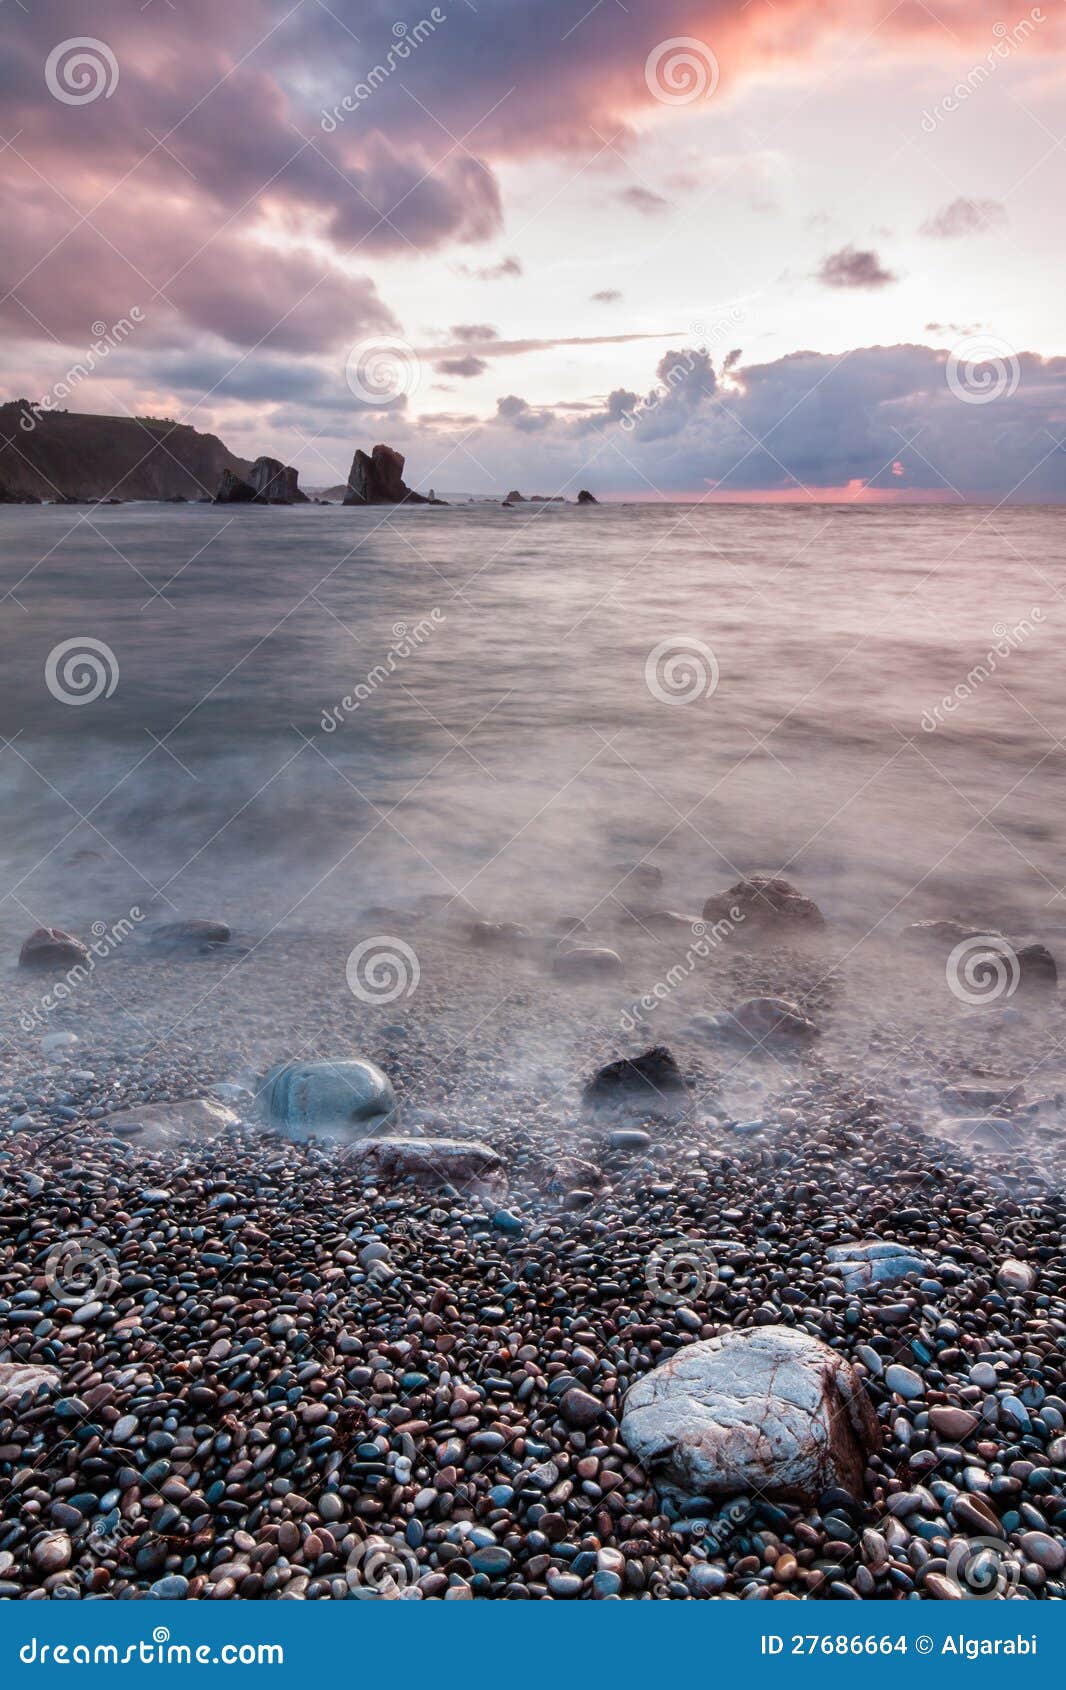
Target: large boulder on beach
161, 1126
433, 1162
377, 479
346, 1099
50, 947
872, 1262
764, 903
768, 1409
647, 1082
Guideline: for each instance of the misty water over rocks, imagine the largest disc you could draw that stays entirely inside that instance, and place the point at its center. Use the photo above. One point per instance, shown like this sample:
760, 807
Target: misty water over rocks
444, 1372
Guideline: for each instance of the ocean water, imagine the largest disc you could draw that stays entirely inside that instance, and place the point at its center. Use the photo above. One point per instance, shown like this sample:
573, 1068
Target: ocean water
300, 711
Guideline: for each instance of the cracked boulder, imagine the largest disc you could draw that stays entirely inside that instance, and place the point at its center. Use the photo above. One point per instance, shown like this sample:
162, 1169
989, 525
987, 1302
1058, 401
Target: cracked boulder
764, 903
767, 1409
876, 1261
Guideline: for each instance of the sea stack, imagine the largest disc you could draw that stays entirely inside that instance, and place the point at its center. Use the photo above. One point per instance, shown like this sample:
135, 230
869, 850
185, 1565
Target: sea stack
377, 479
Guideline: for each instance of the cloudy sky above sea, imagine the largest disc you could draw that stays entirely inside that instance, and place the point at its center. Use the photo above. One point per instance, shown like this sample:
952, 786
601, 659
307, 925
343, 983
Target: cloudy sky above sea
671, 248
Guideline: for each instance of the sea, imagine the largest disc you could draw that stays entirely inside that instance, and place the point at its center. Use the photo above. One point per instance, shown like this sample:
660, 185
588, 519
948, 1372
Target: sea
294, 711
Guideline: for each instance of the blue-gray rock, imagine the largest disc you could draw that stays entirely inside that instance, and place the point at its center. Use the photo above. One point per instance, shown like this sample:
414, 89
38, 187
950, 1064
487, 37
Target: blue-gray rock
341, 1100
874, 1262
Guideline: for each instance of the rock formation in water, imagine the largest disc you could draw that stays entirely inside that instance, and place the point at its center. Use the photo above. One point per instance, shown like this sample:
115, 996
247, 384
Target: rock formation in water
377, 479
587, 498
268, 482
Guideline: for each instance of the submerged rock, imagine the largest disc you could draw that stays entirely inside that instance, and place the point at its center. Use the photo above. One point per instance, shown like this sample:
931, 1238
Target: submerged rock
644, 1081
50, 947
586, 962
194, 933
161, 1126
345, 1099
764, 903
433, 1162
768, 1409
768, 1021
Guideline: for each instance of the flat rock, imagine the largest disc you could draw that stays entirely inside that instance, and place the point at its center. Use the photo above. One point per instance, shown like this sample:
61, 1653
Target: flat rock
16, 1378
876, 1261
433, 1162
988, 1132
767, 1409
764, 903
158, 1126
346, 1099
50, 947
768, 1021
586, 962
175, 935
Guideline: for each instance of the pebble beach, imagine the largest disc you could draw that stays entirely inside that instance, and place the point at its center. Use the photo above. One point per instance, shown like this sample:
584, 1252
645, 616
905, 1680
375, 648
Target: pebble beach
241, 1367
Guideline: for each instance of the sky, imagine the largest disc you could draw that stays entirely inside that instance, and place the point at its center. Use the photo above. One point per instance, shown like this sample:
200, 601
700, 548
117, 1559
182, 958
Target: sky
778, 249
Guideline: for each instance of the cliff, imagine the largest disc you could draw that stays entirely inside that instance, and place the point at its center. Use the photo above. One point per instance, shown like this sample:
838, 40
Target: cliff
70, 456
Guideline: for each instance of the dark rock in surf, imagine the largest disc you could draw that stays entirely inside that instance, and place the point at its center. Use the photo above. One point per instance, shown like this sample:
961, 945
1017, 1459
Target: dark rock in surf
586, 498
378, 480
50, 947
651, 1079
764, 903
195, 934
